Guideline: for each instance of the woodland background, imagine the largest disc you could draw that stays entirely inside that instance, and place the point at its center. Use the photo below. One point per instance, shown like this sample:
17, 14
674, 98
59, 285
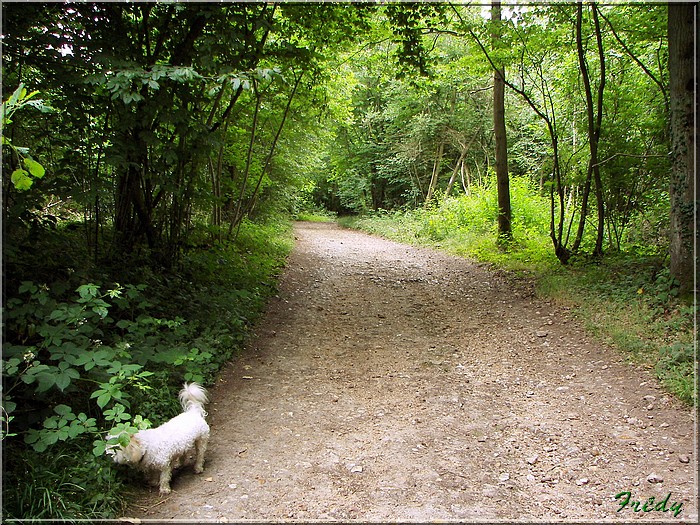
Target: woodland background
154, 155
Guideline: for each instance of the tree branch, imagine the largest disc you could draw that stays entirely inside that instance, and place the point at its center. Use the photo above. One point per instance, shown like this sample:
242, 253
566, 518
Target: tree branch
638, 61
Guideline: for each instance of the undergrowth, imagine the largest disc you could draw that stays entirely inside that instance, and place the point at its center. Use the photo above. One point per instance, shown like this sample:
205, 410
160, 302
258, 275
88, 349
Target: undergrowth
89, 348
626, 299
315, 216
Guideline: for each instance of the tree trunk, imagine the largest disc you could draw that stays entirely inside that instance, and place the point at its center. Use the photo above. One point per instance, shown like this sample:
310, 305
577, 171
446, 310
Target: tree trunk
595, 116
436, 172
133, 203
455, 170
499, 130
682, 80
466, 185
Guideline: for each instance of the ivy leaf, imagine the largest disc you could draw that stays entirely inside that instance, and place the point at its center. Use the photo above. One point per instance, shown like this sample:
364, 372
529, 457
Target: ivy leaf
20, 178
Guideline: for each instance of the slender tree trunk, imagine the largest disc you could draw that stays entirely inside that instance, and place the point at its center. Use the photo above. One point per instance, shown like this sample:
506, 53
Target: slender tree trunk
270, 153
455, 170
499, 130
682, 35
436, 172
589, 108
459, 164
595, 115
466, 184
600, 200
238, 215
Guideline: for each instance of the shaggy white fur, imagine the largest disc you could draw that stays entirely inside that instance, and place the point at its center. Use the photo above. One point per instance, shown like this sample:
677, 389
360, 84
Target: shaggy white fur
157, 451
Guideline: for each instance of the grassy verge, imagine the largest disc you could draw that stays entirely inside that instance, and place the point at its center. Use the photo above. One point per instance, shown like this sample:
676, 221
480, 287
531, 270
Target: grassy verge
630, 302
88, 348
316, 216
626, 300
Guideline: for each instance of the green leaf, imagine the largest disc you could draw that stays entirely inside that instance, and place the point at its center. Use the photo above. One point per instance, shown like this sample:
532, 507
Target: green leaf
101, 311
88, 291
28, 286
21, 180
64, 410
46, 381
64, 378
11, 366
32, 436
51, 423
16, 95
36, 169
99, 446
103, 399
10, 406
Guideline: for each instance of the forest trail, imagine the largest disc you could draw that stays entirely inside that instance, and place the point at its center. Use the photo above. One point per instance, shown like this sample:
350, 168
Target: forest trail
394, 383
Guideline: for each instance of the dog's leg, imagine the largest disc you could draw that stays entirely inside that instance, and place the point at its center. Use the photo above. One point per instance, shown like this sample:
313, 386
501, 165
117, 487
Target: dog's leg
165, 476
200, 448
152, 477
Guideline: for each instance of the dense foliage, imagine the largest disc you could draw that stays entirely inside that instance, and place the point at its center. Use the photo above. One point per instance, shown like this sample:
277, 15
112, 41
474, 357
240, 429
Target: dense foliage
404, 132
152, 154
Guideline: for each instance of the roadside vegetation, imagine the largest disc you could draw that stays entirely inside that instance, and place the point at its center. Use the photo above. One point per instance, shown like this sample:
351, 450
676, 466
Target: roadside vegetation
92, 348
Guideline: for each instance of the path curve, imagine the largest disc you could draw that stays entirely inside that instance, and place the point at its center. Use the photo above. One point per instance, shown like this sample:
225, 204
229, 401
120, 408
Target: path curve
394, 383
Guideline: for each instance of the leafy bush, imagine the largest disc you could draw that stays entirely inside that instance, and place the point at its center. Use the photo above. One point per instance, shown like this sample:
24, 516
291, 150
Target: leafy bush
466, 226
80, 362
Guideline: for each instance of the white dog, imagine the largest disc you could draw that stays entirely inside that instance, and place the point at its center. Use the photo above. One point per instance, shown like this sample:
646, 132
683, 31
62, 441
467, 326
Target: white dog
157, 451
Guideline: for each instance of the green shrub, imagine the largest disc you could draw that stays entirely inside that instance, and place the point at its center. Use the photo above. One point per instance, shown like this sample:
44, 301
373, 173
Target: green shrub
80, 362
466, 226
68, 483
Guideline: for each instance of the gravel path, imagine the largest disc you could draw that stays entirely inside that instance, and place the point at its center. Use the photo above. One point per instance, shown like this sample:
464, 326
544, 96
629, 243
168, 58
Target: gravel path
393, 383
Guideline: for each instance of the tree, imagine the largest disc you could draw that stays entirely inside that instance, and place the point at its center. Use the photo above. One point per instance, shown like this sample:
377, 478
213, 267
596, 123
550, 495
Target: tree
499, 131
594, 114
684, 152
533, 57
156, 124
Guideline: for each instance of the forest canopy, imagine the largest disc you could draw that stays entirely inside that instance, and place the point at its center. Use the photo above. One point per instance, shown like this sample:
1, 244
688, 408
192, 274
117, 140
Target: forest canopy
156, 119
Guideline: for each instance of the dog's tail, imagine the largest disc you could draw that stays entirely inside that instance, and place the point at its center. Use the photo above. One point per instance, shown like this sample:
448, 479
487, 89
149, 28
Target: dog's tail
193, 397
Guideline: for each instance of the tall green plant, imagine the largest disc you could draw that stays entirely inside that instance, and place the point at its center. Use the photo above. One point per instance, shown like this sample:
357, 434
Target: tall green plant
28, 168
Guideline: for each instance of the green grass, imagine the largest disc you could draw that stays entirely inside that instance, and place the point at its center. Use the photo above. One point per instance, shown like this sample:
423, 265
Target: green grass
626, 300
315, 216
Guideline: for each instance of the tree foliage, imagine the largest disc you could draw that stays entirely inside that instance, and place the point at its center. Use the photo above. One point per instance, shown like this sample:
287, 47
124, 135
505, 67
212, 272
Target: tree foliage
586, 111
157, 100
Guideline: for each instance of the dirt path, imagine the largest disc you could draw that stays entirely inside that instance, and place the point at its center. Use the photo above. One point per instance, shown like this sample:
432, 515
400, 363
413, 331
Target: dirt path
390, 383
